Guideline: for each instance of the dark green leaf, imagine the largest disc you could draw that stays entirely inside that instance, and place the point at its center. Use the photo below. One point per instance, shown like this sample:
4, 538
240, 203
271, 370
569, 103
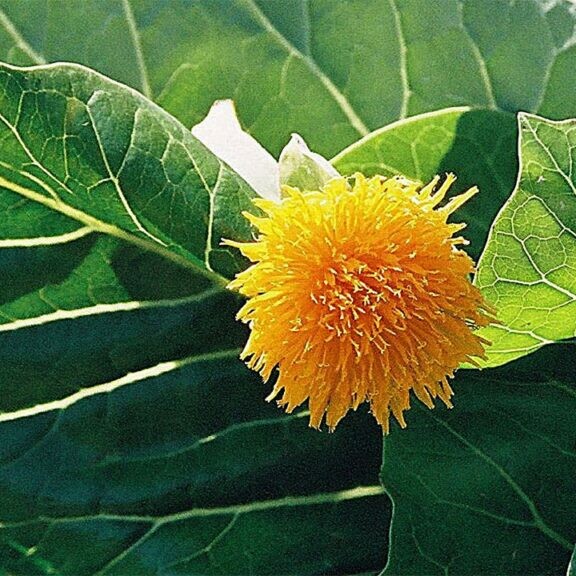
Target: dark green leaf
488, 488
182, 468
81, 150
132, 438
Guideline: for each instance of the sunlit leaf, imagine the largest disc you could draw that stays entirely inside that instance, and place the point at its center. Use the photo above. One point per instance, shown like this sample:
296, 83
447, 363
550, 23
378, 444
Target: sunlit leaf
330, 71
528, 270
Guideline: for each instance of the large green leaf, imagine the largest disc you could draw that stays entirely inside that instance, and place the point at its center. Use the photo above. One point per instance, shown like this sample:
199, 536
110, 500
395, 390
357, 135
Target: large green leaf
528, 269
132, 438
476, 145
78, 147
488, 487
183, 469
332, 71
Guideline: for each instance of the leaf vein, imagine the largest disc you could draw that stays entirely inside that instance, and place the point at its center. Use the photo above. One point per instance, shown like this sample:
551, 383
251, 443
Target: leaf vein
538, 520
19, 40
136, 42
403, 51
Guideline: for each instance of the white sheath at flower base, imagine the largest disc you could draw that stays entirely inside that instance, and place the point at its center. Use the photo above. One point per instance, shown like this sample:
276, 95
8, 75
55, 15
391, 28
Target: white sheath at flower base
222, 134
301, 168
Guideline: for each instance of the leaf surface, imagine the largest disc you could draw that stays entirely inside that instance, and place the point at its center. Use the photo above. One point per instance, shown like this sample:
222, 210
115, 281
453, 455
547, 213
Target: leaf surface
132, 438
488, 487
82, 151
182, 468
296, 67
528, 269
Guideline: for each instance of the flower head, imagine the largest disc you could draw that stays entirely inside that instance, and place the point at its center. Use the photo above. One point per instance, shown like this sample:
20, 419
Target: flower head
358, 293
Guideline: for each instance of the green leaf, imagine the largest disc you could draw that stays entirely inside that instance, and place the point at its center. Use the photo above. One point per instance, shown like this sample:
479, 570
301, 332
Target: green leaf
528, 269
132, 438
488, 487
476, 145
182, 468
330, 71
80, 151
572, 565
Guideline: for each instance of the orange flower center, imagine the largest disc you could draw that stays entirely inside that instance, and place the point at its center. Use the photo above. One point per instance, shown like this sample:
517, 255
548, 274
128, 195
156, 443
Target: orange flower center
359, 293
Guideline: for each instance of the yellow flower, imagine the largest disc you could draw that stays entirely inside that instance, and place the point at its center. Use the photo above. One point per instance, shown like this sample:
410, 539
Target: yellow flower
359, 293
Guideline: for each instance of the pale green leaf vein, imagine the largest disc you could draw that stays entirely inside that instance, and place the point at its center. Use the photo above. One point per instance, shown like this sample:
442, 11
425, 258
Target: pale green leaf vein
208, 547
113, 178
19, 40
54, 203
484, 74
551, 156
46, 240
212, 208
283, 420
107, 387
135, 36
258, 506
98, 309
406, 92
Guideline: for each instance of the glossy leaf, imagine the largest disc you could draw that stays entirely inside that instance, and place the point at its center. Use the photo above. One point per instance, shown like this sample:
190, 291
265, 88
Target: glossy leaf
330, 71
183, 469
528, 270
488, 487
78, 145
132, 439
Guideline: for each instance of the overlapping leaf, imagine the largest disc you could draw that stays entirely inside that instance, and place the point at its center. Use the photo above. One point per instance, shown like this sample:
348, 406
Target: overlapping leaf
133, 440
487, 488
528, 270
175, 477
332, 71
90, 150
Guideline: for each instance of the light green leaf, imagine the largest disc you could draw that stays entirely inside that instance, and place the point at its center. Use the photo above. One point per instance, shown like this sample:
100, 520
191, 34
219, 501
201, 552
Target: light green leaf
476, 145
330, 71
528, 269
572, 565
488, 487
